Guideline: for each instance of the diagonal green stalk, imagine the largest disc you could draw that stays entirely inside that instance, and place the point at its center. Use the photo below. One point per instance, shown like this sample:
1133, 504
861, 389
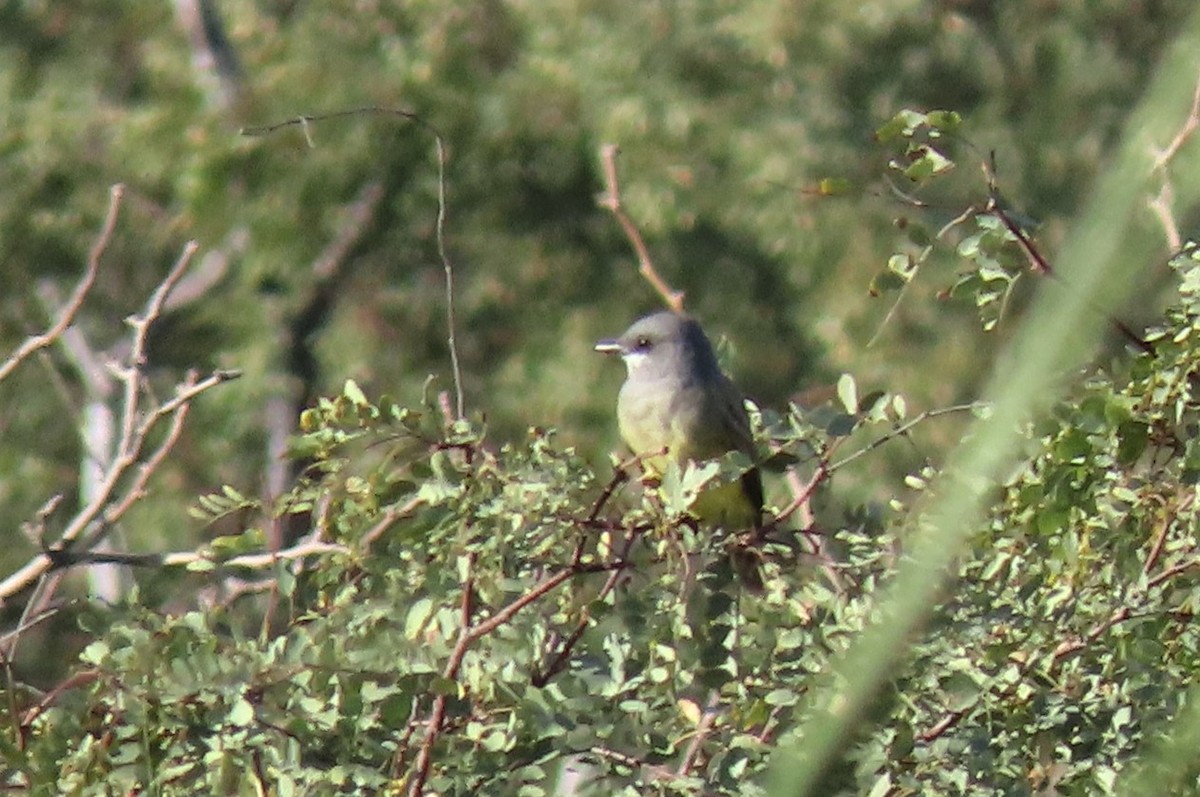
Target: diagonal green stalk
1113, 240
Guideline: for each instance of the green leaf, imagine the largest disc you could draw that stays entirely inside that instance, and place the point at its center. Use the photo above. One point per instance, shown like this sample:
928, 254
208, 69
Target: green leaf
885, 282
847, 393
242, 713
834, 186
782, 697
417, 617
352, 392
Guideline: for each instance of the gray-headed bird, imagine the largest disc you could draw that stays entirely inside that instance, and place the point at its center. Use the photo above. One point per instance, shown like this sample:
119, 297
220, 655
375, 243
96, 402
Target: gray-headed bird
676, 404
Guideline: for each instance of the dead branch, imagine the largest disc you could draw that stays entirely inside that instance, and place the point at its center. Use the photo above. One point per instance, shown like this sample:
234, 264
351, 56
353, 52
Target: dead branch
105, 506
67, 315
1161, 205
611, 201
63, 558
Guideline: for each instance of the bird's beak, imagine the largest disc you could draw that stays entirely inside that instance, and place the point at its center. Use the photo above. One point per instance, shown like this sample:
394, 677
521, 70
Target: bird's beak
608, 347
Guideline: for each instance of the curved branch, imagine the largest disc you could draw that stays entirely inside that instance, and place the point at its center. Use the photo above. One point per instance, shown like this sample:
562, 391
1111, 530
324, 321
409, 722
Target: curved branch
611, 201
71, 308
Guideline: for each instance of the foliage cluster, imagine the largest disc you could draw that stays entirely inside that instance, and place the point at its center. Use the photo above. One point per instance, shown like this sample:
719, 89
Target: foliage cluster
546, 620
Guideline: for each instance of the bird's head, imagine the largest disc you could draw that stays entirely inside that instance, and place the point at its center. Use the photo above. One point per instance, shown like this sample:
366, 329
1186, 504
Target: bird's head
666, 342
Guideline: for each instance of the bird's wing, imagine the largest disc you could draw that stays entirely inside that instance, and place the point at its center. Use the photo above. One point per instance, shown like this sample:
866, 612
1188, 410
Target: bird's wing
737, 423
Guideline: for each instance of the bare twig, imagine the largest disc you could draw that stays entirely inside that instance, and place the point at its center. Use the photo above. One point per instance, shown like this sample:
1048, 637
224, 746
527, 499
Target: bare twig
399, 757
73, 681
251, 561
1169, 515
67, 315
89, 364
103, 506
1161, 204
543, 675
35, 530
917, 261
826, 467
207, 272
903, 429
707, 717
611, 201
802, 491
10, 636
437, 713
619, 477
304, 123
1164, 156
390, 516
1172, 571
1040, 265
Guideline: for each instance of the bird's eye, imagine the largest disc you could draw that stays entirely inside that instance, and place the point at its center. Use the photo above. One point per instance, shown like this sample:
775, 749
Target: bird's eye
642, 343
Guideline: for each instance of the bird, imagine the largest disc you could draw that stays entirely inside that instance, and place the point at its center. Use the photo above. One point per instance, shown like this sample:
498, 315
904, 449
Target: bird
676, 405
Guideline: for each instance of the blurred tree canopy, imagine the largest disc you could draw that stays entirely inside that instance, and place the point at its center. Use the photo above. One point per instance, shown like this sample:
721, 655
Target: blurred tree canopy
767, 159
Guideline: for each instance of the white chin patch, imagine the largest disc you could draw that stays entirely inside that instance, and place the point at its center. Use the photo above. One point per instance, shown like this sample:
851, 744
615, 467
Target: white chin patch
634, 360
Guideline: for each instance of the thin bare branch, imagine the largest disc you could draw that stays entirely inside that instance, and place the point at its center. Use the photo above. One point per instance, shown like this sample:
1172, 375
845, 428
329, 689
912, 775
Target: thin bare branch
703, 729
258, 561
1040, 265
611, 201
9, 637
210, 270
73, 681
1161, 205
390, 516
543, 675
249, 561
1163, 157
305, 122
67, 315
437, 713
102, 506
35, 530
917, 261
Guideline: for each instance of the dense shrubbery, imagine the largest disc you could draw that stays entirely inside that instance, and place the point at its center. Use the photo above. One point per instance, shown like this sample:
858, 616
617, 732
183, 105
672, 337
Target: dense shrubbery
414, 599
479, 619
